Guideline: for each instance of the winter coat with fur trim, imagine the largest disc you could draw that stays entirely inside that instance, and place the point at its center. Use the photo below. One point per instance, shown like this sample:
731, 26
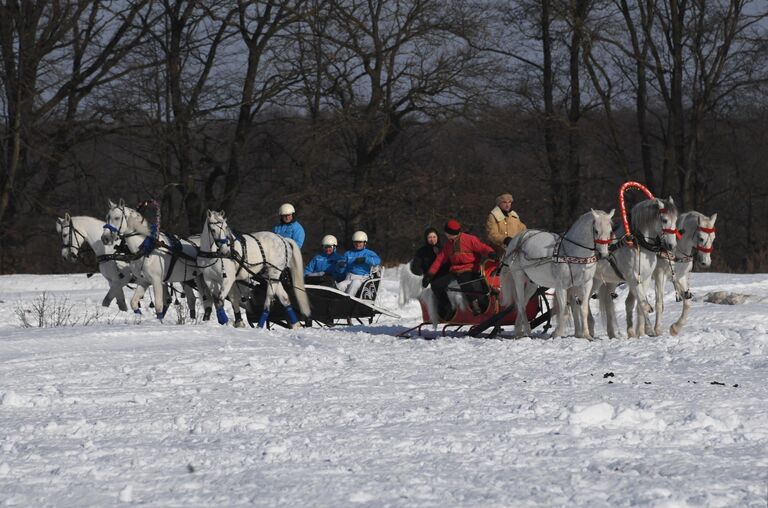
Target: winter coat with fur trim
499, 226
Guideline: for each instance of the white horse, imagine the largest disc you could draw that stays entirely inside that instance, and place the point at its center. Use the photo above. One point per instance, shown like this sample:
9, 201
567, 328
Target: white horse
170, 260
410, 289
653, 230
539, 258
226, 258
694, 246
73, 232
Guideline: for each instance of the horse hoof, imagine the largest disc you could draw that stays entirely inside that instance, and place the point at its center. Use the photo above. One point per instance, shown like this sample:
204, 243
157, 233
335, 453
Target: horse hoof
137, 312
207, 315
239, 324
673, 330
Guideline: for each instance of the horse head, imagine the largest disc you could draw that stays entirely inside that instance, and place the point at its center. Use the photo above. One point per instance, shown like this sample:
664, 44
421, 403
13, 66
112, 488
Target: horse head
116, 223
218, 231
602, 231
700, 231
655, 221
71, 239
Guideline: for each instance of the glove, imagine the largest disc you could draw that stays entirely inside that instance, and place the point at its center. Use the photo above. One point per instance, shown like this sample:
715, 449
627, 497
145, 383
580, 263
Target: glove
493, 256
507, 240
360, 261
425, 281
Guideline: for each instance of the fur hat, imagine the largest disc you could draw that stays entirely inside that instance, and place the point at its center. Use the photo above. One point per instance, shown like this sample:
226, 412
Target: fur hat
453, 227
506, 196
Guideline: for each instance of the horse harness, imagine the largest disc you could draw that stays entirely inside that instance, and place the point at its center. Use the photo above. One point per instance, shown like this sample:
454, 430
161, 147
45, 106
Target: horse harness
241, 258
121, 253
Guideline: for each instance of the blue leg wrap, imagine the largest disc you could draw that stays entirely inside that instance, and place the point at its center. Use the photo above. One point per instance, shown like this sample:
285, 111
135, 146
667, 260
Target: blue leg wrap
221, 316
291, 315
263, 319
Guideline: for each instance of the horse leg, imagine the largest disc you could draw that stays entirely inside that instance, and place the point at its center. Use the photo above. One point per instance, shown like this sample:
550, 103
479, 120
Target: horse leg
607, 309
267, 304
644, 310
522, 326
115, 293
561, 301
573, 308
681, 285
583, 292
660, 280
189, 296
159, 289
282, 295
204, 293
218, 300
234, 298
639, 292
629, 307
138, 294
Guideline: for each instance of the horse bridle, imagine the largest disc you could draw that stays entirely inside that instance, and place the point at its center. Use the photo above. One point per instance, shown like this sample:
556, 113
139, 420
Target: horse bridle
222, 228
73, 233
698, 246
672, 230
123, 219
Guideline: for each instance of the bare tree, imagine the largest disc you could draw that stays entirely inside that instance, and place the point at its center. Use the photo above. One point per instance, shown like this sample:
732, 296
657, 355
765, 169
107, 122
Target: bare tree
370, 69
54, 56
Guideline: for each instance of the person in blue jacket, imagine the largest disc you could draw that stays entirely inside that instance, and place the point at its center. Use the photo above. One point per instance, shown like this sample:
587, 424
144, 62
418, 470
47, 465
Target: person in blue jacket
357, 263
289, 227
324, 267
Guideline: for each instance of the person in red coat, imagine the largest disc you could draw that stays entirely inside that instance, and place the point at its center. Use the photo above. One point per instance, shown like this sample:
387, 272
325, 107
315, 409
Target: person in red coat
463, 253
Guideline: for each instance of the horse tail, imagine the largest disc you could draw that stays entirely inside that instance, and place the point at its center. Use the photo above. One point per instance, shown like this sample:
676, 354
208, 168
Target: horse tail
297, 278
410, 285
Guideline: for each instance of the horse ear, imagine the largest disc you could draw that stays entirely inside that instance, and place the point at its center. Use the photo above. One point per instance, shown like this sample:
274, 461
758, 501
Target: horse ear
222, 214
659, 203
610, 214
208, 213
713, 218
67, 217
671, 200
110, 203
122, 203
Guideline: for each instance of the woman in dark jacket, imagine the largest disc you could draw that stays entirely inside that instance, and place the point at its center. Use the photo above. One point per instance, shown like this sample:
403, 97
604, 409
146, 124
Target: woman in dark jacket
427, 253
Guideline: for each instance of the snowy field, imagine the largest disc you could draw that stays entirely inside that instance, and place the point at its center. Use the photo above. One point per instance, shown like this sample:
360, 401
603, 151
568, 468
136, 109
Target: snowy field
118, 412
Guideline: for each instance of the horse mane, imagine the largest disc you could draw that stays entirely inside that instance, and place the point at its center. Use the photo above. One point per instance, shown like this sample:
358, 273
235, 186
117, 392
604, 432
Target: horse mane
136, 222
645, 214
688, 217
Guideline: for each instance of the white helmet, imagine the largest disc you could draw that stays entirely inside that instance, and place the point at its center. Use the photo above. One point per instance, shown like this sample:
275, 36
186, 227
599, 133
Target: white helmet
287, 209
329, 240
360, 236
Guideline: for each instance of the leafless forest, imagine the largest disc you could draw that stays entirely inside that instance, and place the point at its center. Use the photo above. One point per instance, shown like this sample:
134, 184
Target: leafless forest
381, 115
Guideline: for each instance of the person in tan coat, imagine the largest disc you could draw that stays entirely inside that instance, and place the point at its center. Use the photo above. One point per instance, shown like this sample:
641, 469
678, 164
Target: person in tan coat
503, 223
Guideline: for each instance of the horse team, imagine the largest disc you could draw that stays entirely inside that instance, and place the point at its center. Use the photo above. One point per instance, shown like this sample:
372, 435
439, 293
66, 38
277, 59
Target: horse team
592, 257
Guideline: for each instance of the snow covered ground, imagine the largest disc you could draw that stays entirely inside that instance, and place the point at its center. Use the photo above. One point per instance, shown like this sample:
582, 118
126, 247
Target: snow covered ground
198, 414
